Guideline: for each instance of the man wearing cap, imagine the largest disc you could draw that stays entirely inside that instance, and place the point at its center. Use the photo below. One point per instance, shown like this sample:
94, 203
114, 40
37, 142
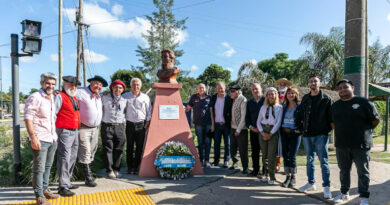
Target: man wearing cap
40, 116
221, 115
67, 125
138, 114
282, 86
353, 138
239, 133
112, 130
252, 113
91, 112
313, 120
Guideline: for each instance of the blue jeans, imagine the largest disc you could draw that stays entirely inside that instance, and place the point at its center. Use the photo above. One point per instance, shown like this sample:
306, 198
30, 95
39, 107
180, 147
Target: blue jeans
290, 145
204, 142
317, 144
42, 160
218, 132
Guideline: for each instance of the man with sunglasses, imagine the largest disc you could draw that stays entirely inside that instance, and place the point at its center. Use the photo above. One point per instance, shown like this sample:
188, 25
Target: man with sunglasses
67, 126
91, 112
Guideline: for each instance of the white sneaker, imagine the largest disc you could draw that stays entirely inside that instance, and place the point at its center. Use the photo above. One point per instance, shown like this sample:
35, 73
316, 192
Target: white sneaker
271, 182
208, 165
363, 201
111, 175
327, 193
264, 179
308, 187
226, 164
118, 175
341, 198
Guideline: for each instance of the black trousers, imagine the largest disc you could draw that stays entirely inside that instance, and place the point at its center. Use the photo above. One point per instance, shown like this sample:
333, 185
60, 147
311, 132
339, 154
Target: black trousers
361, 158
135, 133
113, 140
255, 146
240, 143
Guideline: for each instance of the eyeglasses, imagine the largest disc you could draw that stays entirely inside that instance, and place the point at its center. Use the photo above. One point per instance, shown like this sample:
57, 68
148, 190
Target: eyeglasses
232, 91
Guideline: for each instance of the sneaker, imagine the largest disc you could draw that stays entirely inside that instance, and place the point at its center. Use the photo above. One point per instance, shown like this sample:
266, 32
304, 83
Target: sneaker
308, 187
327, 193
118, 175
271, 182
42, 201
264, 179
341, 198
292, 182
287, 182
73, 186
208, 165
363, 201
226, 164
65, 192
49, 195
111, 175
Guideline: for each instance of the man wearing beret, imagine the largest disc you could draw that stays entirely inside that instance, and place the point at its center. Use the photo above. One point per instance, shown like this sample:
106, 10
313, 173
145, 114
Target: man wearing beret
113, 128
91, 112
239, 132
67, 125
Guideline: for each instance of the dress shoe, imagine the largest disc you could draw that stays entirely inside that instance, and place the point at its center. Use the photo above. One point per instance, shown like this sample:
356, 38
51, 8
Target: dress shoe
73, 186
49, 195
253, 174
287, 182
65, 192
245, 171
215, 163
234, 166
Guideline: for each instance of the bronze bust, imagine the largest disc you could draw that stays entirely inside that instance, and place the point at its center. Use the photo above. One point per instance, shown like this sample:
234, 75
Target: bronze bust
168, 71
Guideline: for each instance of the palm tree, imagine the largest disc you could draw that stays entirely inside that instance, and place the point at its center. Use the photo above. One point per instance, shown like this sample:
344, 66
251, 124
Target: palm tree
379, 62
326, 55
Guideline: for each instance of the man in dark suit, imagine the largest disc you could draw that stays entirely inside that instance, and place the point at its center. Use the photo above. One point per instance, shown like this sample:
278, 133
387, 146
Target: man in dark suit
221, 114
252, 112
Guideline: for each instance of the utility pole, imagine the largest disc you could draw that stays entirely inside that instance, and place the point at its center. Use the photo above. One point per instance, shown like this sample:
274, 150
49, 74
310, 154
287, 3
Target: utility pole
355, 62
79, 18
59, 44
80, 42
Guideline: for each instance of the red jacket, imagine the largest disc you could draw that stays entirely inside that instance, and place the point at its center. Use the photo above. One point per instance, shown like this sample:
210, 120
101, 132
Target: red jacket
67, 117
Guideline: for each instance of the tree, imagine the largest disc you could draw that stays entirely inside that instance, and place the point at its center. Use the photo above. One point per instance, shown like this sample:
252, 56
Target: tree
248, 74
280, 66
126, 76
326, 55
378, 62
33, 90
162, 34
189, 85
214, 74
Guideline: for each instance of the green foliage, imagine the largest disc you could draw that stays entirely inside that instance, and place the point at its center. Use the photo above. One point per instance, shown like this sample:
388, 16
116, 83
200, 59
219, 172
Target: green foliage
126, 76
214, 74
280, 66
378, 62
162, 34
326, 55
33, 90
381, 108
189, 85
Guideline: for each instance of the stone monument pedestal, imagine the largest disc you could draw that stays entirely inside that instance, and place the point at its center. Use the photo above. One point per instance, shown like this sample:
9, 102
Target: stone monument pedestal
164, 130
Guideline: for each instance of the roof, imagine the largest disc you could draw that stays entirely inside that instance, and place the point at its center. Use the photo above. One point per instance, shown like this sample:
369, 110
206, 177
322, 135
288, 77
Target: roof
377, 91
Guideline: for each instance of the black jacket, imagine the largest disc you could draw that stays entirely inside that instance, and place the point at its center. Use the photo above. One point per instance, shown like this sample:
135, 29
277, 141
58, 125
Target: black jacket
320, 122
252, 111
227, 108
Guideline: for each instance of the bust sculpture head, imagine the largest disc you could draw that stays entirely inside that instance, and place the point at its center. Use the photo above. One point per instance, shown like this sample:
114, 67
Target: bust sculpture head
168, 71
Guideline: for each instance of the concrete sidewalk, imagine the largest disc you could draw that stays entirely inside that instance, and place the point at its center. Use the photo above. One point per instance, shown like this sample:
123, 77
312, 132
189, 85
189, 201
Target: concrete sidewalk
222, 186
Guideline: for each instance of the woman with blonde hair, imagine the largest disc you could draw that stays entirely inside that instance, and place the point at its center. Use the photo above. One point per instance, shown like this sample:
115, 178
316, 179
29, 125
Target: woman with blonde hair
290, 136
268, 123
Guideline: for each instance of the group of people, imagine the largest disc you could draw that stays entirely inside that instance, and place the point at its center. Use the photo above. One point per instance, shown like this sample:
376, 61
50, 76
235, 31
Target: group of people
277, 122
68, 121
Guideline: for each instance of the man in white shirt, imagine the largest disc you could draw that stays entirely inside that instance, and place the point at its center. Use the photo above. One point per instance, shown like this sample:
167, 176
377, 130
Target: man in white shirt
90, 117
138, 114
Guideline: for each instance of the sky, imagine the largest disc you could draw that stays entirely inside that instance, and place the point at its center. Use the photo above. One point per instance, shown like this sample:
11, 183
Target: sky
223, 32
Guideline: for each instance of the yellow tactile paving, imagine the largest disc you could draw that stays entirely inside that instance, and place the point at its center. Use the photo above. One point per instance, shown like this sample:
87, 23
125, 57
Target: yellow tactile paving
116, 197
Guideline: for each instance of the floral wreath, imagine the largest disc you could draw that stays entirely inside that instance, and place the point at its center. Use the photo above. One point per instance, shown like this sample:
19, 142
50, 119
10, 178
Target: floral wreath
174, 161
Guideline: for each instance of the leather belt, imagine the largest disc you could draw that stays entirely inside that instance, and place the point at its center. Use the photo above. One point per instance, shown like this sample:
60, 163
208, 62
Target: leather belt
287, 130
113, 124
70, 129
220, 123
85, 126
